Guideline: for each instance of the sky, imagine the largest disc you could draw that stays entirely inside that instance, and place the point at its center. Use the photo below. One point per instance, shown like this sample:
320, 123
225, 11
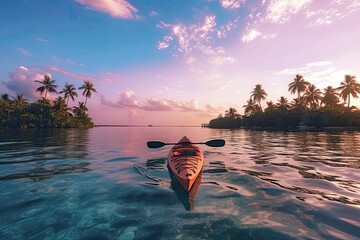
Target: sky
176, 62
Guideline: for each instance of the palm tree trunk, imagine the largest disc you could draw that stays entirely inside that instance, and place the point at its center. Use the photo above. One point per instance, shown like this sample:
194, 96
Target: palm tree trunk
349, 101
67, 102
85, 101
45, 93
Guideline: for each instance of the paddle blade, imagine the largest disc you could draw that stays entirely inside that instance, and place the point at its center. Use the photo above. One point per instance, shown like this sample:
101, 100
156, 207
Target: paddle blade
155, 144
215, 143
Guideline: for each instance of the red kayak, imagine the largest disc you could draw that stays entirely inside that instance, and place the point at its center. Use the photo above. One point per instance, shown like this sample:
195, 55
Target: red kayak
186, 162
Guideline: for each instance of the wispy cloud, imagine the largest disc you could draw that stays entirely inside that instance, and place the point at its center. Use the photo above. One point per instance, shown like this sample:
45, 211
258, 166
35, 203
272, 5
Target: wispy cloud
277, 12
232, 3
66, 61
67, 73
111, 77
335, 10
198, 40
220, 60
153, 14
42, 40
250, 35
322, 73
280, 11
223, 31
24, 52
191, 38
308, 67
115, 8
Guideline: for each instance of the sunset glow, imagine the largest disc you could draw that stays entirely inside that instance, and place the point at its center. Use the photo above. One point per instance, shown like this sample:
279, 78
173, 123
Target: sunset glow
179, 62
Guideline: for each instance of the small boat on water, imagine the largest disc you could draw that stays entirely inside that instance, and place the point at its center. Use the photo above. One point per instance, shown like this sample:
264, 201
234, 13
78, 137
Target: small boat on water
186, 162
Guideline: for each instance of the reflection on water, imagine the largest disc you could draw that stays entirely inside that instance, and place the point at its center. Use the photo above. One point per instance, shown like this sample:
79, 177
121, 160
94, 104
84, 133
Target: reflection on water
186, 198
103, 183
325, 157
38, 174
42, 152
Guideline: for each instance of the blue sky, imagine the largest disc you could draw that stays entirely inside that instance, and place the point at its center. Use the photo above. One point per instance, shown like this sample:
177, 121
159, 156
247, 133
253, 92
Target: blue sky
176, 62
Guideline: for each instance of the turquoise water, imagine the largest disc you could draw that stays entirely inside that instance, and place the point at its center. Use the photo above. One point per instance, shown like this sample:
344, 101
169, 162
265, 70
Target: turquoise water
104, 183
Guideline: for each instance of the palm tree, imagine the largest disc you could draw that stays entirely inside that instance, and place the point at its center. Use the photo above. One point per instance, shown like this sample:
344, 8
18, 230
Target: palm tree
298, 103
258, 94
20, 100
59, 105
5, 97
88, 87
69, 91
80, 110
48, 85
298, 85
283, 103
330, 97
250, 107
270, 105
349, 87
312, 96
231, 113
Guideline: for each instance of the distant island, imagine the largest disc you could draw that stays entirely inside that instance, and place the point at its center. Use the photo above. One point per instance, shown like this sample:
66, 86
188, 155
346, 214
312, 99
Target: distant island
311, 109
18, 113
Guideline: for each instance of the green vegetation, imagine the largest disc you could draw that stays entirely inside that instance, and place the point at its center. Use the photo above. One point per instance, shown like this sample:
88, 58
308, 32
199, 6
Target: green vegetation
311, 108
17, 112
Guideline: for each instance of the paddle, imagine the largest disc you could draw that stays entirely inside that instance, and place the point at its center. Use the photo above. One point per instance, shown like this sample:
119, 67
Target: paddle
211, 143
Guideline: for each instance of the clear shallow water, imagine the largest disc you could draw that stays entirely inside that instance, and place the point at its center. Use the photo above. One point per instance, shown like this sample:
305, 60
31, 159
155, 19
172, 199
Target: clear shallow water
104, 183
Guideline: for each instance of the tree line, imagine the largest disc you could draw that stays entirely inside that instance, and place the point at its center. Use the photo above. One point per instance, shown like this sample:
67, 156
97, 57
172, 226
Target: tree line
312, 107
17, 112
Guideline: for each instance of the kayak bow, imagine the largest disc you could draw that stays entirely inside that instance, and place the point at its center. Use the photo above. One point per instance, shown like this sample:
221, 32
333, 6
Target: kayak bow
186, 161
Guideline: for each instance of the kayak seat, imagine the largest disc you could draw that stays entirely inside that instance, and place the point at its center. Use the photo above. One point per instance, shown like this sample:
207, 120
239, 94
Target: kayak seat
185, 153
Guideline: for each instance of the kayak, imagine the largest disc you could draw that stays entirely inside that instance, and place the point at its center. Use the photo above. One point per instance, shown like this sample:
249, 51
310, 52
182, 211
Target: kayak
186, 161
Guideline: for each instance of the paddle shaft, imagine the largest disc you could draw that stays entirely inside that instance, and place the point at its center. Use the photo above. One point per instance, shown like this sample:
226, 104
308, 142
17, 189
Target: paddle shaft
211, 143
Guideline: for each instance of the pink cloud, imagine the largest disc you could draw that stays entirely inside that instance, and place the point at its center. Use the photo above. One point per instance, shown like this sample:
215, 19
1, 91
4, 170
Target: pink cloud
211, 109
128, 99
22, 81
115, 8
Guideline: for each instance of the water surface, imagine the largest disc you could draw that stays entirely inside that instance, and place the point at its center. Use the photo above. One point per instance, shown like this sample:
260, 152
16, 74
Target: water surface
103, 183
